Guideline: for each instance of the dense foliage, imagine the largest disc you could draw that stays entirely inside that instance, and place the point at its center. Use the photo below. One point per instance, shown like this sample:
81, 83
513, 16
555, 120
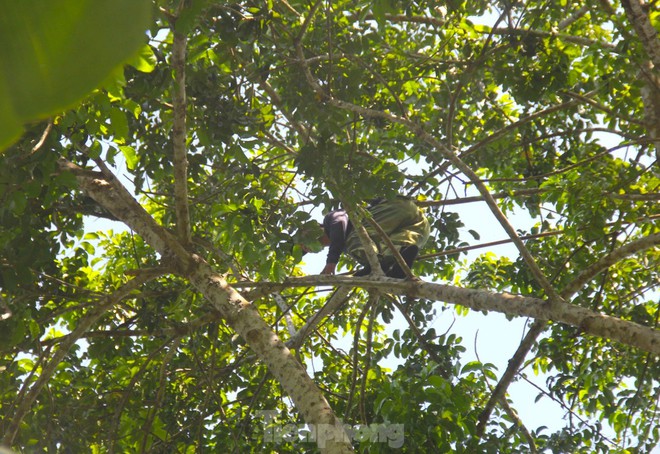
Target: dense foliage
233, 122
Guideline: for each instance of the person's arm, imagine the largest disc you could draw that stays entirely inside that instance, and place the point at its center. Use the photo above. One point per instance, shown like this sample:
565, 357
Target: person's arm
335, 225
329, 268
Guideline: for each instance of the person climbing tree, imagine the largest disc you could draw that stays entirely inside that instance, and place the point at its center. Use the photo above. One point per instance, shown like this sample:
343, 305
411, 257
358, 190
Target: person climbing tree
401, 220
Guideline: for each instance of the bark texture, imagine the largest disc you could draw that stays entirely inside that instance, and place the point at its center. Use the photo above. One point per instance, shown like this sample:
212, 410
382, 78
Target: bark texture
587, 320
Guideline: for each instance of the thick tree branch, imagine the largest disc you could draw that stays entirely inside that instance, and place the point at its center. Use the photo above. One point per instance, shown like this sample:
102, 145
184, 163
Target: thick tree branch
648, 35
564, 23
449, 155
610, 259
285, 311
180, 160
498, 394
108, 192
650, 92
639, 18
587, 320
245, 319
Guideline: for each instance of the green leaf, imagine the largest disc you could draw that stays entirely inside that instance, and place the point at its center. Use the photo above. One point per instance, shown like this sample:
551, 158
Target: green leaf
130, 155
54, 53
145, 61
188, 16
472, 366
119, 125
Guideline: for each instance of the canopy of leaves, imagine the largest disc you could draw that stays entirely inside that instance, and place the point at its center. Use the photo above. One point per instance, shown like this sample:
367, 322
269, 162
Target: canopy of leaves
275, 112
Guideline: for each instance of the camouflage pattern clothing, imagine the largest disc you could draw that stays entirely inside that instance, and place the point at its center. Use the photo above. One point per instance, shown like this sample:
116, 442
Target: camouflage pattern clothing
402, 221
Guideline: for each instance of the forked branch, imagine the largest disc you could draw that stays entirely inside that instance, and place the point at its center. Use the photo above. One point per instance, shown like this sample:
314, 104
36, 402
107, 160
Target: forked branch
515, 363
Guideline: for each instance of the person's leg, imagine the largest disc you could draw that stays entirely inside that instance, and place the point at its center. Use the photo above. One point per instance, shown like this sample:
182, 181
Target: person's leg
387, 263
363, 271
405, 225
409, 254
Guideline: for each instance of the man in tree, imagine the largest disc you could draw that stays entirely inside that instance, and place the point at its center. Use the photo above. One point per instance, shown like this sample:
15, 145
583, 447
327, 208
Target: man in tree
401, 220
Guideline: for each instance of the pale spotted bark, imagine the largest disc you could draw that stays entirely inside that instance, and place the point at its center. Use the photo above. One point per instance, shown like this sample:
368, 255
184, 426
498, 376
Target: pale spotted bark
180, 159
589, 321
638, 14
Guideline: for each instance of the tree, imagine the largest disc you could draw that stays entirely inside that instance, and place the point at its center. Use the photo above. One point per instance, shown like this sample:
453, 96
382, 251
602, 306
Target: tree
193, 328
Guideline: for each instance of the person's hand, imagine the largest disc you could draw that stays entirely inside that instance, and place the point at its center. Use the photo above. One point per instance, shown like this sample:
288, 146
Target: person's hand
329, 268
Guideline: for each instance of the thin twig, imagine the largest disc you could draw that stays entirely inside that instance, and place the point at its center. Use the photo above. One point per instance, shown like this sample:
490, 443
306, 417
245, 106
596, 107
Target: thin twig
285, 313
332, 304
114, 427
356, 350
374, 298
418, 334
